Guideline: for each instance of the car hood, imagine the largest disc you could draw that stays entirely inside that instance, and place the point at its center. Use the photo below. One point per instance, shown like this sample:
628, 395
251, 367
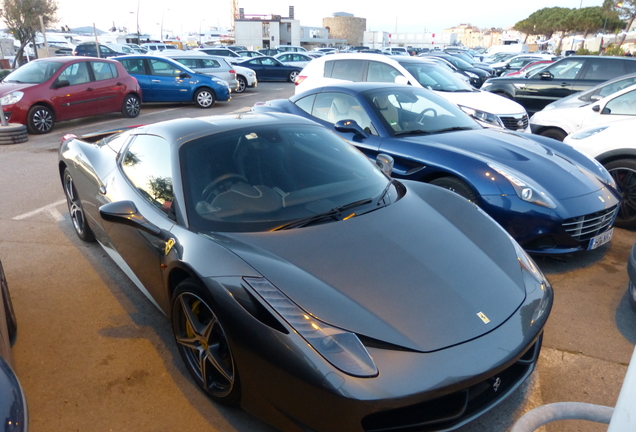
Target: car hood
546, 167
415, 273
484, 101
6, 88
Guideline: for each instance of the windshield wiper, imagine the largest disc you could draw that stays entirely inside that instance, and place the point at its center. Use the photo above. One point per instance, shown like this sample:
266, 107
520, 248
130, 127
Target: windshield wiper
330, 214
413, 132
456, 128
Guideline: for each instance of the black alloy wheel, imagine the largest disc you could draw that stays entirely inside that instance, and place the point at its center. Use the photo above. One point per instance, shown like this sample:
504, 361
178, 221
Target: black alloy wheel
456, 185
75, 209
203, 344
623, 171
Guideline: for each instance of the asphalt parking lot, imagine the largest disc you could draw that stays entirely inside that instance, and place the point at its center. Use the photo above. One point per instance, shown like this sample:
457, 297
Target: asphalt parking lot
93, 354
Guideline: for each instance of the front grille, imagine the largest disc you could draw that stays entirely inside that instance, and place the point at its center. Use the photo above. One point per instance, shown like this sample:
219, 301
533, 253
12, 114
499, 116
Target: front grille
450, 410
517, 122
585, 227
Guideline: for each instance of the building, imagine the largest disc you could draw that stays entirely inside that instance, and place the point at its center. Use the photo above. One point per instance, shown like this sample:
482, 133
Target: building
346, 27
266, 31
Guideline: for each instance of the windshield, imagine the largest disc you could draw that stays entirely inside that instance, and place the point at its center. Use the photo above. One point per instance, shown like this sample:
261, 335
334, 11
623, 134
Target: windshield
412, 111
34, 72
459, 62
263, 177
434, 77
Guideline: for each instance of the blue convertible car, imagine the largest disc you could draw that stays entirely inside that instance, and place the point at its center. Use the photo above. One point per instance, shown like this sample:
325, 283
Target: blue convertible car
163, 79
548, 196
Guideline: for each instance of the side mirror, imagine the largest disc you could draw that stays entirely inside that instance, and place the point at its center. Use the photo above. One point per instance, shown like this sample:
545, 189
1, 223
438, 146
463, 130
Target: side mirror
61, 83
350, 126
400, 79
546, 75
385, 162
126, 213
184, 75
596, 108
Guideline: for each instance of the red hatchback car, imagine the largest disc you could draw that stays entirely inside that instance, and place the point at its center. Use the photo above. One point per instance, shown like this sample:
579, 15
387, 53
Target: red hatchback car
63, 88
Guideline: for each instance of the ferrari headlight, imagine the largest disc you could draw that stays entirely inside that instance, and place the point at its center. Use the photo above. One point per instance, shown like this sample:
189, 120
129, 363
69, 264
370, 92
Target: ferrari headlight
534, 279
339, 347
524, 189
483, 116
588, 133
11, 98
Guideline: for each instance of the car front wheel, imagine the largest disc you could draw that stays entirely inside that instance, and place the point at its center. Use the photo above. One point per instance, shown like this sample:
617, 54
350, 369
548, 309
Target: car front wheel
40, 119
204, 98
623, 172
75, 209
203, 343
456, 185
557, 134
131, 106
242, 84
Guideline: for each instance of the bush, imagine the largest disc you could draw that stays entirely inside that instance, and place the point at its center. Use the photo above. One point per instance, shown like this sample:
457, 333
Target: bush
613, 50
5, 72
585, 51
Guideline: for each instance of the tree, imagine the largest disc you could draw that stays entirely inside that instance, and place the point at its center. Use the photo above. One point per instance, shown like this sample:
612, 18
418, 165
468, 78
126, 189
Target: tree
626, 10
22, 18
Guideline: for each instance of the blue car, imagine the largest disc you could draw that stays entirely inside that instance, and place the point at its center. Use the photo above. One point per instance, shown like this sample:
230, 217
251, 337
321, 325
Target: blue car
549, 197
165, 80
270, 69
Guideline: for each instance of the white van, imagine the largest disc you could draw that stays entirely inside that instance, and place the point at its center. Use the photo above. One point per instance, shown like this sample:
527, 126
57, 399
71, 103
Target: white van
497, 112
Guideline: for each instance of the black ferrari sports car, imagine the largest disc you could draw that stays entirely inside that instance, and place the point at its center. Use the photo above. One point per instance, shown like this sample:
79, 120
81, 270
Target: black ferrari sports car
301, 279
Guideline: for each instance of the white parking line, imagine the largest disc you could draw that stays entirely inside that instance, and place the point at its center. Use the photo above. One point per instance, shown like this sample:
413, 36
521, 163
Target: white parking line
51, 209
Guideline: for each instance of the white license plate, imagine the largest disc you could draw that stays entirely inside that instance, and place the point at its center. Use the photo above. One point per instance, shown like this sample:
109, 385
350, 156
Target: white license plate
600, 239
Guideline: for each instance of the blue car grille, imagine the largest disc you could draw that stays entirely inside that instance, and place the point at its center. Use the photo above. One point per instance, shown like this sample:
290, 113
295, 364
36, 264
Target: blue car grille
588, 226
518, 122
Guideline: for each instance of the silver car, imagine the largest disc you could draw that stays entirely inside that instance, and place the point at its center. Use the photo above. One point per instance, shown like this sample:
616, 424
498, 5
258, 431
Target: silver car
209, 65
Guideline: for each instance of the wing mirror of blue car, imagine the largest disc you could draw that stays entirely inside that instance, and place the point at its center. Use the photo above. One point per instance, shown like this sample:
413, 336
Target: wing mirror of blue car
126, 213
184, 75
350, 126
385, 163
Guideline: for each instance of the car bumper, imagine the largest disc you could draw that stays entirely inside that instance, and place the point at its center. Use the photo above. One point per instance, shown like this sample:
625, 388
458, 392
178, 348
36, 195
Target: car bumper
555, 231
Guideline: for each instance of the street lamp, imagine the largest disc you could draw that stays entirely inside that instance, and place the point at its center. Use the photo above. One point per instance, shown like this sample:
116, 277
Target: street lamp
161, 34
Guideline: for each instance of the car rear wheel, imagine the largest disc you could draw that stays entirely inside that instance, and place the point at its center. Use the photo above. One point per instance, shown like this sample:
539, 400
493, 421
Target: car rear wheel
242, 84
456, 185
40, 120
131, 106
12, 322
204, 98
75, 209
203, 343
623, 172
557, 134
293, 75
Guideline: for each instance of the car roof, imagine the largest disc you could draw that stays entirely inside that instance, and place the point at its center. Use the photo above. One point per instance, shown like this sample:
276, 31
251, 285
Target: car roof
71, 59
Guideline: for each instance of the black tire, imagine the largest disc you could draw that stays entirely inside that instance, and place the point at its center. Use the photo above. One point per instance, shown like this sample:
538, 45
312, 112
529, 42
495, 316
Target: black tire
131, 106
557, 134
40, 119
75, 209
203, 344
12, 322
458, 186
204, 98
293, 75
623, 172
242, 84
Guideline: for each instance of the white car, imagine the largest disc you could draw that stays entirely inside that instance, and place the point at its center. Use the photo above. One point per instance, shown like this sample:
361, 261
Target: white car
612, 145
489, 109
557, 123
294, 59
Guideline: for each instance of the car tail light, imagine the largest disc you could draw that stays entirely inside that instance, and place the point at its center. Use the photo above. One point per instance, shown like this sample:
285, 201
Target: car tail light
232, 71
300, 79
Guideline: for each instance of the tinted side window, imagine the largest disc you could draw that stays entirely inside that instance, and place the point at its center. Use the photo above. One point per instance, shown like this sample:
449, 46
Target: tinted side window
333, 107
146, 164
618, 85
104, 70
630, 66
381, 72
306, 104
351, 70
622, 105
211, 63
566, 69
77, 73
189, 62
134, 66
602, 69
163, 68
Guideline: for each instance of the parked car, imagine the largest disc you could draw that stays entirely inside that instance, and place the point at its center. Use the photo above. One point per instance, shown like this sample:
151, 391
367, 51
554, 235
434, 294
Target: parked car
157, 46
560, 79
291, 48
326, 50
631, 271
490, 110
45, 91
476, 75
549, 197
270, 69
163, 79
228, 54
89, 49
208, 65
609, 144
529, 69
557, 123
236, 48
123, 49
516, 63
248, 53
283, 255
13, 406
294, 59
595, 93
401, 51
246, 78
270, 51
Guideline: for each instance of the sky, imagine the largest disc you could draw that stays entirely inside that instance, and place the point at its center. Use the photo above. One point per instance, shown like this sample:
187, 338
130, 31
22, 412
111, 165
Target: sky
400, 16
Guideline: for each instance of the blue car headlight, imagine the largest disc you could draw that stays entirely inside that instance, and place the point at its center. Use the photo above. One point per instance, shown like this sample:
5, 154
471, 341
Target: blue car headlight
11, 98
339, 347
534, 279
525, 189
483, 116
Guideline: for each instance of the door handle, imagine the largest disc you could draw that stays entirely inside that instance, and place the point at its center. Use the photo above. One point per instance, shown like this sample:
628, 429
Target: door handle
89, 89
156, 81
119, 84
